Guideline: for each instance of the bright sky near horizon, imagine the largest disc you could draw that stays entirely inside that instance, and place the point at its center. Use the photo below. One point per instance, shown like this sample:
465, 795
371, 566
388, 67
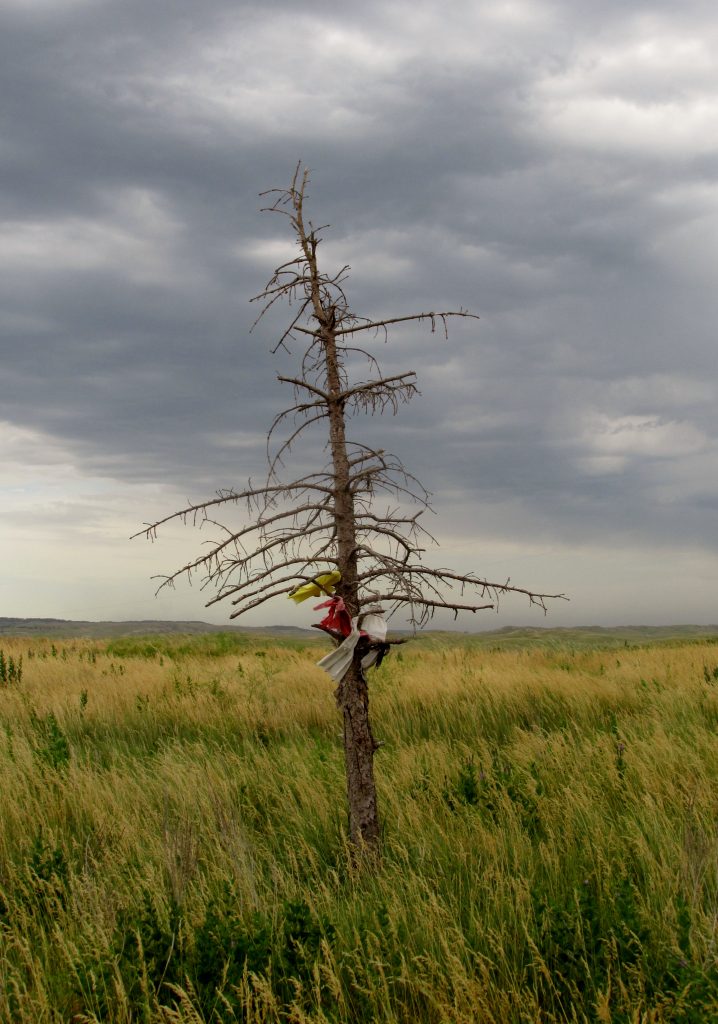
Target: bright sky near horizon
552, 166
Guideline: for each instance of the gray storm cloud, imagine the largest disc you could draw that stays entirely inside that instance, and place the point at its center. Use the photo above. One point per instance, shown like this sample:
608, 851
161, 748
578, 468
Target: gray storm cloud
550, 166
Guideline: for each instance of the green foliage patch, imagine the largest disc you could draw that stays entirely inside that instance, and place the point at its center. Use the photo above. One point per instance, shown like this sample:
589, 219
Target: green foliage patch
155, 951
10, 669
202, 645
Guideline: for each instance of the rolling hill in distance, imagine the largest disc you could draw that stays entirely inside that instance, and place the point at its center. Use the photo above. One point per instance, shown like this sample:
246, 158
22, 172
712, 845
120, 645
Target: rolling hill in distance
507, 636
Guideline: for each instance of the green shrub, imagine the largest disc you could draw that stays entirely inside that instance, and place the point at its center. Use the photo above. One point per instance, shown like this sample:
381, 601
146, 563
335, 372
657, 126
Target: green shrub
10, 670
155, 951
53, 747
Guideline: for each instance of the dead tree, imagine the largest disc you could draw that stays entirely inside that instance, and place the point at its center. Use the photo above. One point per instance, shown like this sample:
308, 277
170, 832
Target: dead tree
332, 518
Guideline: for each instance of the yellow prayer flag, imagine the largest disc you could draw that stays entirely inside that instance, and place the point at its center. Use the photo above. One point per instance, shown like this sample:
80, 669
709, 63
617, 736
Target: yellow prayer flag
324, 584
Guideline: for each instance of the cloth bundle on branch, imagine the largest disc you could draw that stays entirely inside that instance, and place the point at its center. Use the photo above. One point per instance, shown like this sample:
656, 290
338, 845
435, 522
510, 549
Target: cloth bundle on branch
337, 619
373, 626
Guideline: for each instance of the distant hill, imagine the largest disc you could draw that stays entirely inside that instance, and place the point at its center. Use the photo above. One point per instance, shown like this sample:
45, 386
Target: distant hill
589, 636
616, 632
141, 627
508, 636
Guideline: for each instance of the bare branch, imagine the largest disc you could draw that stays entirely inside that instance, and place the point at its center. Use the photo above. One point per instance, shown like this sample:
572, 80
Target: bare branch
296, 578
433, 317
197, 512
376, 395
445, 605
276, 459
304, 384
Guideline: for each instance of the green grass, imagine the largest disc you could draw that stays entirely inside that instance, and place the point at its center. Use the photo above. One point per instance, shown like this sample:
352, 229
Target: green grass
173, 835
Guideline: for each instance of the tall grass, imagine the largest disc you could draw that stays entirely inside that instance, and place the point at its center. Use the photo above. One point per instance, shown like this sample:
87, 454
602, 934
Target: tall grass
173, 836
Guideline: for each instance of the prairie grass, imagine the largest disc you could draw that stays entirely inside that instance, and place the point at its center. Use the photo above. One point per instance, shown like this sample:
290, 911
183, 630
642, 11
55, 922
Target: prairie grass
173, 836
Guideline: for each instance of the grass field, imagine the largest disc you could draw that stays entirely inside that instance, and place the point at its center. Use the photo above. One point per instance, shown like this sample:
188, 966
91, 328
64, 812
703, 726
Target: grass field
172, 834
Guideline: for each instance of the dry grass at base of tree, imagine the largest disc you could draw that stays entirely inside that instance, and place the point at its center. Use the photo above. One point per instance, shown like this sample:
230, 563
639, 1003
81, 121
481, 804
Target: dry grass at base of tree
173, 837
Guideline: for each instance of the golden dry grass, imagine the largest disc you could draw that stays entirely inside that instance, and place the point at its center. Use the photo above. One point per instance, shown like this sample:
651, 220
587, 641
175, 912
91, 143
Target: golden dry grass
550, 845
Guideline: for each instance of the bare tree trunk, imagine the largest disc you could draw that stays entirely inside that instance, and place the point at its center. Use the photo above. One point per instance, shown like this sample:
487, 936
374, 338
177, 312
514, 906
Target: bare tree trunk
352, 694
359, 745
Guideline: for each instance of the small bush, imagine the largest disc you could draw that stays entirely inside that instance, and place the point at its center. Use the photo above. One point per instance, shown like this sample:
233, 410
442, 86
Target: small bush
153, 951
10, 670
53, 748
489, 788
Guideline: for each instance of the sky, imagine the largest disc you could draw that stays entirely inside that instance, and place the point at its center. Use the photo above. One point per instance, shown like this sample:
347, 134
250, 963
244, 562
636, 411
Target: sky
553, 167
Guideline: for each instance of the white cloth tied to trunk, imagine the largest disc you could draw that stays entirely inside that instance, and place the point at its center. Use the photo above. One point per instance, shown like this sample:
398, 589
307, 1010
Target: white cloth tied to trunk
338, 661
373, 622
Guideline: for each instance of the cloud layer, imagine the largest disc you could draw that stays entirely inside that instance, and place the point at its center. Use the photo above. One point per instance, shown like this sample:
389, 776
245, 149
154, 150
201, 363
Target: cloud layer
551, 166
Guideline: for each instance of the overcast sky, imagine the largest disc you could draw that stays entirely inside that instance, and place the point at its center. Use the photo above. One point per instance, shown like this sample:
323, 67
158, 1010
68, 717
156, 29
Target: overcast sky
551, 166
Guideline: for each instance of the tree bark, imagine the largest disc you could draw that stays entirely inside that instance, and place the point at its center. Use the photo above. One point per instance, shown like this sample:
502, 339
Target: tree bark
352, 694
359, 745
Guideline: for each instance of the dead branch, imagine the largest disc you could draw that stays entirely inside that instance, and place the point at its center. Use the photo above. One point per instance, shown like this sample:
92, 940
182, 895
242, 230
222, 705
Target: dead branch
432, 317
